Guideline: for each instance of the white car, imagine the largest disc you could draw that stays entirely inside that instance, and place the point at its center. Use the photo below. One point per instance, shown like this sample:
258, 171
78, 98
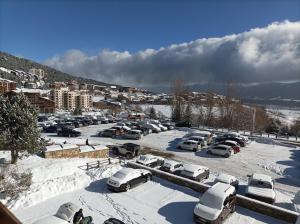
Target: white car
215, 204
163, 128
222, 150
261, 187
64, 215
201, 140
189, 145
195, 172
296, 202
127, 178
172, 166
227, 179
152, 127
150, 160
133, 134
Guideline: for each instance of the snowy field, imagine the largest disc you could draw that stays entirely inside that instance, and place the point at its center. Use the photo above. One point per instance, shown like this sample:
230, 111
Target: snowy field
286, 116
56, 181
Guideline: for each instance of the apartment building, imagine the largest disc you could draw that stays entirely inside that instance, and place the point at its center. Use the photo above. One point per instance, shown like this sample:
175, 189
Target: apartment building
38, 72
84, 101
7, 85
69, 100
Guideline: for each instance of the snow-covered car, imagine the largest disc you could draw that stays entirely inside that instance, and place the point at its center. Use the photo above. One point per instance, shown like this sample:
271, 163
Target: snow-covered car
150, 160
201, 140
172, 166
235, 146
127, 178
153, 127
222, 150
195, 172
113, 221
162, 128
261, 187
133, 134
227, 179
215, 204
296, 202
64, 215
189, 145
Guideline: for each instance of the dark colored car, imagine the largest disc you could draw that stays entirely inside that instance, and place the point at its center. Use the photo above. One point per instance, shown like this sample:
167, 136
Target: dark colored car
113, 221
68, 132
129, 150
111, 133
50, 129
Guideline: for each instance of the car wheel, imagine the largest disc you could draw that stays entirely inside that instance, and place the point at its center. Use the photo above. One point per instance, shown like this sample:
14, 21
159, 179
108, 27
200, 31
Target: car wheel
232, 210
179, 147
127, 187
227, 155
195, 150
128, 156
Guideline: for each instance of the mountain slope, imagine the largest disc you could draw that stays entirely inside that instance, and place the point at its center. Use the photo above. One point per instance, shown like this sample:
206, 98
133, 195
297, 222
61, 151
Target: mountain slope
15, 63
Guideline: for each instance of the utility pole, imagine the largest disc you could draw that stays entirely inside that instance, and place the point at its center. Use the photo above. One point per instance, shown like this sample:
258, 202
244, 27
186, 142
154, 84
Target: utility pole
253, 119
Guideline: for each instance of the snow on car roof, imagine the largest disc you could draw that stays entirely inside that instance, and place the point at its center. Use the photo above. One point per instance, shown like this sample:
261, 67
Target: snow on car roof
261, 177
217, 193
225, 178
230, 141
126, 170
51, 220
222, 146
171, 162
193, 168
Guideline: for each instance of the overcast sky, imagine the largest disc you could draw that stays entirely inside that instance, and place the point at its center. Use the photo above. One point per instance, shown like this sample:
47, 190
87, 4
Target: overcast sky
264, 54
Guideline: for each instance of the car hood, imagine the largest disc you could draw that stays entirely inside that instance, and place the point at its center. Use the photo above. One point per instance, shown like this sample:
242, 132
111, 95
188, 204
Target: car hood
261, 192
206, 212
115, 181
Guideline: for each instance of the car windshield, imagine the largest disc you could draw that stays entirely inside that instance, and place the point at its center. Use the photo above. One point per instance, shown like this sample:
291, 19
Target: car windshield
210, 200
119, 175
262, 184
143, 158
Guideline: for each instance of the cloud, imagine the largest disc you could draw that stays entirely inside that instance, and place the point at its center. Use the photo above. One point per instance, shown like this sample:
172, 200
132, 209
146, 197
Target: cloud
264, 54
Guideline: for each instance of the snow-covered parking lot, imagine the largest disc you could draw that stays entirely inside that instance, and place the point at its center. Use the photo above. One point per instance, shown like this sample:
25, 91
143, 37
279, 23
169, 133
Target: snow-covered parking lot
263, 156
157, 201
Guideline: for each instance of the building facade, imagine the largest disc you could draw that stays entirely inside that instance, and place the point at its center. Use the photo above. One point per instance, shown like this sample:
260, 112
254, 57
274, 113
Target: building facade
38, 72
7, 85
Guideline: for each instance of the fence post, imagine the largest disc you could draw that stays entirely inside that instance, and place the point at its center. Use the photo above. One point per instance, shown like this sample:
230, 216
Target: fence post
87, 166
98, 163
108, 160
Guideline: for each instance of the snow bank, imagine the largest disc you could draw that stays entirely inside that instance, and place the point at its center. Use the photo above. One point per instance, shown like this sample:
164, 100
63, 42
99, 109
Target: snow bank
269, 141
52, 177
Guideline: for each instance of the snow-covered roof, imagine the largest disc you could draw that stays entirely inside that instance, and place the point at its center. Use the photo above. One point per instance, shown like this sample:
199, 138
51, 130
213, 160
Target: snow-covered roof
193, 168
217, 193
89, 148
225, 178
51, 220
171, 162
261, 177
52, 148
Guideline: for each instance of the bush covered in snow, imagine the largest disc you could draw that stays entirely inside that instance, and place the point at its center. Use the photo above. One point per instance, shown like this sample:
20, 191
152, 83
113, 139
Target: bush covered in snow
14, 181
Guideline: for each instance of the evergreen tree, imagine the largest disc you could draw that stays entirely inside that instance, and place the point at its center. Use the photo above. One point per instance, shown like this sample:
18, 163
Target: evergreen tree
152, 113
18, 125
187, 117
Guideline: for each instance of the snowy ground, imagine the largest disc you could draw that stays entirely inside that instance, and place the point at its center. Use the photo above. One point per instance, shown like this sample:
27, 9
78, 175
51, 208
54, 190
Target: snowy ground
286, 116
281, 162
57, 181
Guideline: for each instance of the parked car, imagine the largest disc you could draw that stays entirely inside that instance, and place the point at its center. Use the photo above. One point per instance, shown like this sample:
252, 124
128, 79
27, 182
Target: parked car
195, 172
68, 132
111, 119
189, 145
228, 179
215, 204
50, 129
64, 215
129, 150
296, 202
172, 166
111, 133
133, 134
235, 146
153, 127
199, 139
162, 128
222, 150
169, 126
103, 120
113, 221
127, 178
261, 187
150, 160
